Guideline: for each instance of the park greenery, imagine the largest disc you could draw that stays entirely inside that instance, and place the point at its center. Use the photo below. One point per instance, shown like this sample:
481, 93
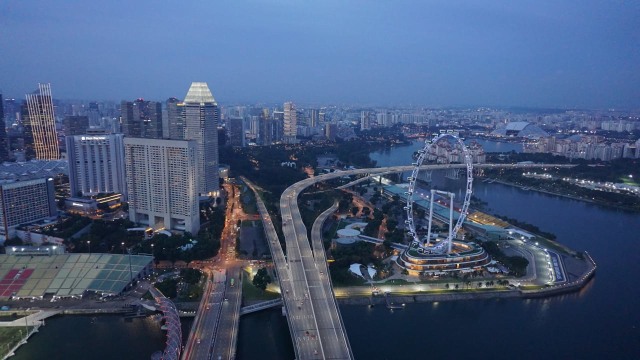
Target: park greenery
261, 279
517, 265
186, 287
558, 186
361, 253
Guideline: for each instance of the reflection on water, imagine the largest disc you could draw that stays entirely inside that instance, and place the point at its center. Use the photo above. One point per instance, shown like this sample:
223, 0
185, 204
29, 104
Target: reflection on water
94, 337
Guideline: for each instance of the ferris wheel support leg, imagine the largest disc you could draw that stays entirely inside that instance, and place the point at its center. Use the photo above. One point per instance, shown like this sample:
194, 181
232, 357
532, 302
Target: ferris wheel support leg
433, 193
451, 234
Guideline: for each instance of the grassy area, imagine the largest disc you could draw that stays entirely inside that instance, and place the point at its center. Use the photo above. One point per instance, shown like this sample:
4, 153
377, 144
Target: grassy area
252, 293
247, 223
248, 201
10, 337
397, 282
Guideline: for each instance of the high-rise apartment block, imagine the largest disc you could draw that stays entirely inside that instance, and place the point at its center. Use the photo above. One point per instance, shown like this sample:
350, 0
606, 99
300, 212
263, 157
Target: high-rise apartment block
40, 137
162, 183
201, 117
141, 119
290, 123
4, 144
96, 164
24, 202
365, 120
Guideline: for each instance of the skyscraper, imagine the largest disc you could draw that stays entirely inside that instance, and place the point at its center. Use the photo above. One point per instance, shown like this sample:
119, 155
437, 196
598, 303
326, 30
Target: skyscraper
162, 179
290, 123
313, 117
96, 164
266, 128
75, 125
41, 139
141, 119
201, 117
4, 144
175, 119
235, 127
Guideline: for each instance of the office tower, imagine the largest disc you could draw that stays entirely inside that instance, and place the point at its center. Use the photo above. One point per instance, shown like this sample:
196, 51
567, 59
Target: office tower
290, 123
142, 119
162, 178
201, 116
40, 137
4, 144
235, 127
96, 164
23, 202
175, 119
75, 125
322, 118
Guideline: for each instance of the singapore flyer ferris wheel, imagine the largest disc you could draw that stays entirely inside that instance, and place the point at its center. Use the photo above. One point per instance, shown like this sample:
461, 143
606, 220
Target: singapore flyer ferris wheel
430, 151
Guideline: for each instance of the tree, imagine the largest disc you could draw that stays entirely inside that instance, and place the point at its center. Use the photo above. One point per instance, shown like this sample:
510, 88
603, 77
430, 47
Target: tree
354, 210
13, 241
366, 211
191, 276
261, 279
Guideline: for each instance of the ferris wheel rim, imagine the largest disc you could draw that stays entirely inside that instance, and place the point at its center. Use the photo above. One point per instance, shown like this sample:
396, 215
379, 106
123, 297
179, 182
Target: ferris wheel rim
422, 153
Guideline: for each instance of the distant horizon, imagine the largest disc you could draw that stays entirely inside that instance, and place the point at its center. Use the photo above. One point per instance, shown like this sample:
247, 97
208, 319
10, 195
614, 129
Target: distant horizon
355, 105
534, 54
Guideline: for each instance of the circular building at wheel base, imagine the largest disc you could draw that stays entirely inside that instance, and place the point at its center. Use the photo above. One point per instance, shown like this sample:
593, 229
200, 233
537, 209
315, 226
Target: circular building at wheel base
463, 256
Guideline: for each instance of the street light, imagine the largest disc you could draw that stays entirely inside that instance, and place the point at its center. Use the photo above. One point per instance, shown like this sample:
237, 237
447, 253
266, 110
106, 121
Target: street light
123, 248
89, 244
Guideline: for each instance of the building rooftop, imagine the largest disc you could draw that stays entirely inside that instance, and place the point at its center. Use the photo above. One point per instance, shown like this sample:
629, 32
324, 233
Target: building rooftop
199, 93
67, 274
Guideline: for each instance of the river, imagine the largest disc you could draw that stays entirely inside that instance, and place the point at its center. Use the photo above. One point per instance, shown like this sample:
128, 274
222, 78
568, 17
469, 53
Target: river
601, 321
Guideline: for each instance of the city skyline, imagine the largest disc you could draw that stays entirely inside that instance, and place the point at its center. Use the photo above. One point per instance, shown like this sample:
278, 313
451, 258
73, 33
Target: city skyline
541, 54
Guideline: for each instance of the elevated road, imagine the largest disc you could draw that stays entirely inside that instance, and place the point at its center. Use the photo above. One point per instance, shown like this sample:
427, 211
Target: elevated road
226, 335
314, 319
203, 331
311, 288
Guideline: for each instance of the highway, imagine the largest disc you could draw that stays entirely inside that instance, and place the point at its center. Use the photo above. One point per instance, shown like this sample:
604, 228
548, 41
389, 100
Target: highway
311, 287
203, 331
214, 332
224, 343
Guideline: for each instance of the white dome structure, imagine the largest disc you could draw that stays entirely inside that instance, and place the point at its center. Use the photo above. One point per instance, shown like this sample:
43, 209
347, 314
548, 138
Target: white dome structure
520, 129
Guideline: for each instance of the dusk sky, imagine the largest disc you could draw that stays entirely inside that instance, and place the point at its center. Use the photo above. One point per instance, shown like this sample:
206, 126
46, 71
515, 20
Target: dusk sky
434, 53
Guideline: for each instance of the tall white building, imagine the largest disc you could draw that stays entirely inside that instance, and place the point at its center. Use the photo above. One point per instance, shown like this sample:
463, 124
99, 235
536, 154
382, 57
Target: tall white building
96, 164
290, 123
162, 183
201, 117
